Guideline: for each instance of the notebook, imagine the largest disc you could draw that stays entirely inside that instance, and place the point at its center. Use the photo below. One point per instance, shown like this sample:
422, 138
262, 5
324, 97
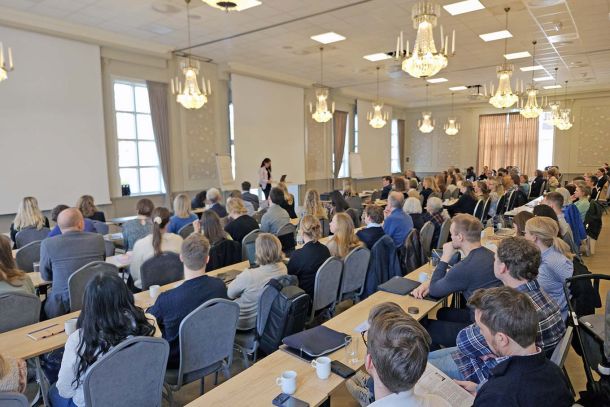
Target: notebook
399, 285
315, 342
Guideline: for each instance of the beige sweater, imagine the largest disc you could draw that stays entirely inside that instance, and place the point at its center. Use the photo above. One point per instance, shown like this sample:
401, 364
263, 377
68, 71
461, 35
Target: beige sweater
15, 377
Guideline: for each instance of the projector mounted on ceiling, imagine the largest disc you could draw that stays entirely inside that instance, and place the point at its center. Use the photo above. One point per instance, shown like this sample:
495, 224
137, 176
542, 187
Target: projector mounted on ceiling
233, 5
476, 93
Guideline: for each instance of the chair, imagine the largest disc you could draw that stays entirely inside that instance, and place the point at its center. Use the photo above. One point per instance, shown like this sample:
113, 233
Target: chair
325, 227
486, 209
425, 236
355, 266
353, 213
29, 235
502, 204
79, 279
286, 234
561, 353
100, 227
141, 361
248, 246
206, 344
446, 195
13, 400
109, 248
512, 198
478, 209
18, 309
326, 287
374, 196
258, 215
160, 270
186, 230
28, 255
224, 253
355, 202
443, 236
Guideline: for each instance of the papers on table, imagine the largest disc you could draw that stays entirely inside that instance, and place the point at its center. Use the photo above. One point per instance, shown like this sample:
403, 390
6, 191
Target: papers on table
433, 381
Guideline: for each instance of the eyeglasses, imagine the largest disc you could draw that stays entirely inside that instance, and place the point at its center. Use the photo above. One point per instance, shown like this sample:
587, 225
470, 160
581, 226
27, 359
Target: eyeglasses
363, 333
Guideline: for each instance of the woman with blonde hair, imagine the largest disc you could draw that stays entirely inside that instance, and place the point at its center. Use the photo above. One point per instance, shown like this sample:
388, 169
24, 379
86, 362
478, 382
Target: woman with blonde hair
429, 187
182, 214
13, 375
348, 189
11, 278
288, 203
553, 181
495, 192
86, 205
312, 205
556, 260
240, 223
344, 240
248, 285
28, 216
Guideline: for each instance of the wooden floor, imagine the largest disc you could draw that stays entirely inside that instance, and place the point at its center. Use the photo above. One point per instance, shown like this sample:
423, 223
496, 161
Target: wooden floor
598, 263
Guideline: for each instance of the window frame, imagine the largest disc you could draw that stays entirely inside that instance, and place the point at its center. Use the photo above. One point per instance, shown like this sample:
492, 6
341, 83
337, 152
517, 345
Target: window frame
394, 147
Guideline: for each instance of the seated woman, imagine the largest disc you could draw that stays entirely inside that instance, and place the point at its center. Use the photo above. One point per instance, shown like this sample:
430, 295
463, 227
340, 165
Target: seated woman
524, 185
136, 229
429, 187
109, 316
87, 207
28, 216
288, 203
553, 181
496, 191
412, 207
436, 215
221, 254
11, 278
159, 241
182, 214
240, 223
312, 205
400, 185
249, 284
338, 203
582, 194
198, 200
466, 202
305, 262
13, 375
519, 221
344, 240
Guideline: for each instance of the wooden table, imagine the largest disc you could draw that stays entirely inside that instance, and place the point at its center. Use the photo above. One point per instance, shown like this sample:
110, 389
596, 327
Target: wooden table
37, 279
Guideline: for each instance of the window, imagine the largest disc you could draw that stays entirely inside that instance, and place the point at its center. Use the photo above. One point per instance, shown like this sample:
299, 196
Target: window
138, 156
394, 155
344, 170
355, 132
546, 136
232, 137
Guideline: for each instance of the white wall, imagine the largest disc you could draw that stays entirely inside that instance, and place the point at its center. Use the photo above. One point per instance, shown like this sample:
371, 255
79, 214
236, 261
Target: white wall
374, 145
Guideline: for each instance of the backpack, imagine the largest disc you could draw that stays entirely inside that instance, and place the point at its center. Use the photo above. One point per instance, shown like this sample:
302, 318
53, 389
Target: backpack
286, 307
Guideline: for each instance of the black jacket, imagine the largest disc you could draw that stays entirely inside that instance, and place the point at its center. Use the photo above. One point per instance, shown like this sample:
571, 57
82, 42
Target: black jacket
240, 227
465, 204
386, 191
370, 236
535, 191
305, 262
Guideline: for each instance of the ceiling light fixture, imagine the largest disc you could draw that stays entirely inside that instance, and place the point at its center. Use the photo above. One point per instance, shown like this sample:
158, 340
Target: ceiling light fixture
532, 109
517, 55
543, 78
5, 66
189, 95
504, 96
498, 35
377, 57
452, 127
426, 123
457, 88
531, 68
566, 120
552, 87
327, 38
232, 5
554, 117
437, 80
462, 7
322, 114
425, 61
377, 118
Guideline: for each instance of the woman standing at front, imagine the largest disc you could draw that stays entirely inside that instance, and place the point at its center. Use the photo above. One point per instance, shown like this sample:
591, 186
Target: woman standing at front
264, 177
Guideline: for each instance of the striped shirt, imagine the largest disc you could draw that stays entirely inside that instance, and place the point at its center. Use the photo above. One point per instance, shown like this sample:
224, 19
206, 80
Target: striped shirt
552, 273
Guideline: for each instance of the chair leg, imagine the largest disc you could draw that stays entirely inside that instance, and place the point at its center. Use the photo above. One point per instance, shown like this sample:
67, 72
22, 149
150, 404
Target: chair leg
202, 384
226, 371
246, 360
565, 372
169, 394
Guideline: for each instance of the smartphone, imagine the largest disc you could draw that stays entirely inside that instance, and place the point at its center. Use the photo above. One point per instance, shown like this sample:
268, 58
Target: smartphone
341, 369
286, 400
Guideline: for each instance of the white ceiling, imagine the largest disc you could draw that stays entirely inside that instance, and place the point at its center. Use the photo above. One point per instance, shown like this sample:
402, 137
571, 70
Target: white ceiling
370, 26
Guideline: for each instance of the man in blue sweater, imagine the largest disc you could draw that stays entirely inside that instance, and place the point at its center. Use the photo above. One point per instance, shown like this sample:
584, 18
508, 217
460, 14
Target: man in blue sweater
397, 223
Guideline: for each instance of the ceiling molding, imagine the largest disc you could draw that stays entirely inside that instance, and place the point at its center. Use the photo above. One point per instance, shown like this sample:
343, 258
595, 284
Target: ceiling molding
243, 69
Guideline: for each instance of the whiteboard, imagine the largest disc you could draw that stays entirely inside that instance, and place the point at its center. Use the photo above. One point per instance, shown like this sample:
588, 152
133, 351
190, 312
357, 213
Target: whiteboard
355, 165
225, 171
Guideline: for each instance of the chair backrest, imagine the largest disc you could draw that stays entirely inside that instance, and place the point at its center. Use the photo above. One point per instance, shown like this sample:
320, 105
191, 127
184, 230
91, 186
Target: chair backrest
355, 215
186, 230
286, 234
18, 309
425, 236
286, 229
478, 208
163, 269
375, 196
512, 198
79, 279
206, 338
248, 251
502, 205
258, 215
13, 400
486, 208
28, 255
354, 202
100, 227
325, 223
143, 360
29, 235
327, 284
355, 266
224, 253
443, 236
561, 350
109, 248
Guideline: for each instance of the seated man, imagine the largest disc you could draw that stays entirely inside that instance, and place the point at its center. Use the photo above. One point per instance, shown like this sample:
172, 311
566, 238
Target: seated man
62, 255
516, 265
247, 196
397, 223
474, 271
213, 197
171, 307
525, 377
55, 213
276, 216
373, 218
591, 181
387, 187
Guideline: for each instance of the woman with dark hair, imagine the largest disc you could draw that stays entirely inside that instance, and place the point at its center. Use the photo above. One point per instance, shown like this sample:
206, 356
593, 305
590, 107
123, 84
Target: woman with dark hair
470, 174
546, 210
211, 227
338, 203
467, 201
199, 200
519, 221
109, 316
11, 278
159, 241
264, 177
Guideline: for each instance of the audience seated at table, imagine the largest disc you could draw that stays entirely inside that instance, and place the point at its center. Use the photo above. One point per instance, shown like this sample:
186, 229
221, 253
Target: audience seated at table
397, 223
387, 187
519, 221
305, 262
553, 179
135, 229
213, 197
399, 185
248, 205
496, 191
602, 178
249, 197
312, 205
159, 241
582, 203
470, 174
28, 216
248, 285
109, 316
436, 215
373, 231
198, 200
481, 191
276, 216
182, 214
86, 204
60, 256
239, 222
466, 202
591, 182
288, 203
172, 306
13, 375
57, 231
429, 188
343, 240
11, 278
338, 204
412, 207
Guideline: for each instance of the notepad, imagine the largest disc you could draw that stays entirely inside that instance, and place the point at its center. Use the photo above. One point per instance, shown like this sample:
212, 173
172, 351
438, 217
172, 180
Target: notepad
46, 332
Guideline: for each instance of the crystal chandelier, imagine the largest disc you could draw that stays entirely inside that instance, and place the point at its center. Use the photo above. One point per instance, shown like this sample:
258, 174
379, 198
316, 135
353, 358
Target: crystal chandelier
426, 123
531, 110
566, 120
5, 67
504, 97
425, 60
188, 94
322, 114
554, 106
377, 118
452, 127
233, 5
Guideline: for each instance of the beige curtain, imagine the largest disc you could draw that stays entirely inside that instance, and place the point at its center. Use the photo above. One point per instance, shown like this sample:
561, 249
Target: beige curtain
157, 97
492, 141
339, 127
401, 143
522, 143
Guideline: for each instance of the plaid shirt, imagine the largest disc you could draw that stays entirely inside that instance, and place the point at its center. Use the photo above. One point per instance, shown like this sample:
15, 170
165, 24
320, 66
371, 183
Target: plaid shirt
475, 359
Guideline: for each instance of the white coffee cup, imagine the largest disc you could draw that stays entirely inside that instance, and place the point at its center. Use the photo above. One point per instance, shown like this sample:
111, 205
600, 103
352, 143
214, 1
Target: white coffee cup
322, 365
288, 381
423, 276
154, 291
70, 326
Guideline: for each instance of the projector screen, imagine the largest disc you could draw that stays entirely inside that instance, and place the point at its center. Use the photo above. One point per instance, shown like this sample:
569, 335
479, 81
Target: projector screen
269, 122
52, 143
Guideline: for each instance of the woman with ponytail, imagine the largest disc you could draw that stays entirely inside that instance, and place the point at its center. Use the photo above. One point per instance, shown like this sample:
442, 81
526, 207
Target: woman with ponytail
159, 241
556, 264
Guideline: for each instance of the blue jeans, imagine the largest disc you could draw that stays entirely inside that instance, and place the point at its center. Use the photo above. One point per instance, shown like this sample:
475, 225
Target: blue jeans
442, 360
58, 401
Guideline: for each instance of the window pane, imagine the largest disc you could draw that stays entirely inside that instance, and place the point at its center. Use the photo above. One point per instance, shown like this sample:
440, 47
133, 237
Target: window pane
148, 153
128, 155
130, 176
123, 97
150, 180
145, 129
142, 104
125, 126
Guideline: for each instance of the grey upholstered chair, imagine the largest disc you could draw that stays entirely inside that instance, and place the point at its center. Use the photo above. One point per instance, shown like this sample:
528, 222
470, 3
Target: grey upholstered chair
29, 235
13, 400
355, 266
28, 255
247, 246
287, 236
110, 248
163, 269
79, 279
186, 230
425, 237
131, 374
206, 344
443, 236
326, 287
18, 309
100, 227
